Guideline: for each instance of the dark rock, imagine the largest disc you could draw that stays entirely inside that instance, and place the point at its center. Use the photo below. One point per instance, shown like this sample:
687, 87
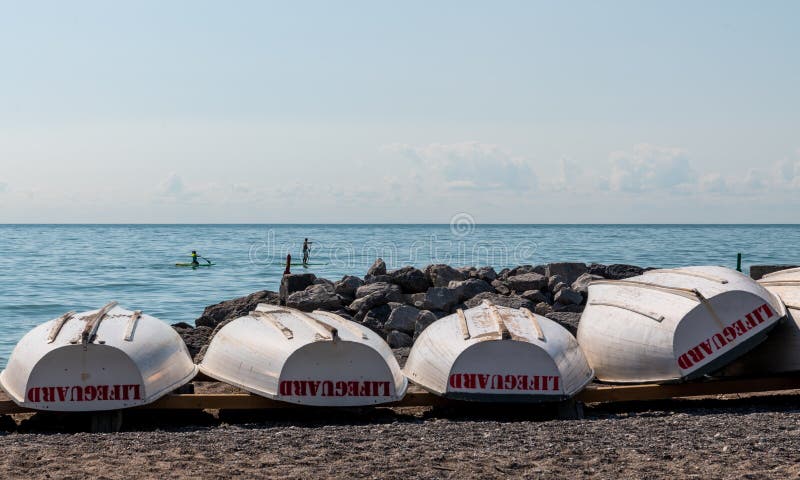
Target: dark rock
487, 274
620, 271
512, 301
415, 299
470, 287
402, 318
441, 275
558, 287
380, 287
401, 354
215, 314
543, 308
377, 278
397, 339
757, 272
597, 269
343, 313
410, 280
375, 294
347, 286
568, 296
466, 271
569, 271
323, 281
526, 281
535, 296
195, 338
567, 320
503, 274
7, 424
523, 269
377, 268
377, 317
581, 285
295, 282
553, 281
501, 287
560, 307
315, 297
424, 319
439, 298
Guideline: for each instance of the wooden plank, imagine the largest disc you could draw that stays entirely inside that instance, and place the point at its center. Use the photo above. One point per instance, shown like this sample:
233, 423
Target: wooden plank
629, 393
419, 398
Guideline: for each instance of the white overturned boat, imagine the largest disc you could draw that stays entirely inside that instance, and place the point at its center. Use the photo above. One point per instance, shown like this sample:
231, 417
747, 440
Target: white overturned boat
316, 358
780, 352
104, 359
674, 324
497, 354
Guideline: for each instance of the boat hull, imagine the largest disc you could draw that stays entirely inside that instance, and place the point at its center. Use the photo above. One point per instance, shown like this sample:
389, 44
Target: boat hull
280, 354
674, 325
466, 356
127, 364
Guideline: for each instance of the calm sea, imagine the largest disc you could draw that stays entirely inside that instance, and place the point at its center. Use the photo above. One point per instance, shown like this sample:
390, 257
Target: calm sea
47, 270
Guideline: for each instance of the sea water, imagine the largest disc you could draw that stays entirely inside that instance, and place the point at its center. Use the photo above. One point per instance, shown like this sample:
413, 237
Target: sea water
47, 270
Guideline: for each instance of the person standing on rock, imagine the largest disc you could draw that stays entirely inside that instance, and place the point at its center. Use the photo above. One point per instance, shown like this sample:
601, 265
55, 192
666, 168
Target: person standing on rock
306, 250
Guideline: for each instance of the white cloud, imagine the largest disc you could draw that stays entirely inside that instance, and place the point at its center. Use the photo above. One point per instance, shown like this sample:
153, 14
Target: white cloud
470, 165
713, 183
650, 167
172, 186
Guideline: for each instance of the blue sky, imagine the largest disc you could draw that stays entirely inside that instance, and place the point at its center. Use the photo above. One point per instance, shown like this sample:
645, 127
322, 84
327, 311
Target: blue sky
304, 112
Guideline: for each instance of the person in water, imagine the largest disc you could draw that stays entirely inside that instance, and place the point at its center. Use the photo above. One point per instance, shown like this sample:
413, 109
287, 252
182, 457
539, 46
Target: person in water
306, 250
195, 263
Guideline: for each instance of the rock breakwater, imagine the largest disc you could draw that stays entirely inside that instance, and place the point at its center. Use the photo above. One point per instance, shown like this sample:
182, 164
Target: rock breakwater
399, 304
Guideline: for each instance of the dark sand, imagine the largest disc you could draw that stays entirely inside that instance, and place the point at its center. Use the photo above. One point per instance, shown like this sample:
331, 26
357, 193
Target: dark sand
756, 437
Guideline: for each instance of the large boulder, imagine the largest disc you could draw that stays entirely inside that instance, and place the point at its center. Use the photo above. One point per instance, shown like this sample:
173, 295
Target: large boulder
620, 271
511, 301
598, 269
567, 320
410, 279
347, 286
569, 271
440, 275
526, 281
377, 268
376, 318
295, 282
377, 278
397, 339
501, 287
466, 289
487, 274
375, 294
424, 319
402, 318
523, 269
581, 285
440, 298
215, 314
568, 296
535, 296
315, 297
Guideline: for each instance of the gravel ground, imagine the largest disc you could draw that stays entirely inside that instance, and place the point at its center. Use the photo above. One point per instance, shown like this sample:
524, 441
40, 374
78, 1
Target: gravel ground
749, 438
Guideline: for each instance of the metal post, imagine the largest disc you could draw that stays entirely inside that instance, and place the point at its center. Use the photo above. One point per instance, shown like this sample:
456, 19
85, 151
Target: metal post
738, 262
